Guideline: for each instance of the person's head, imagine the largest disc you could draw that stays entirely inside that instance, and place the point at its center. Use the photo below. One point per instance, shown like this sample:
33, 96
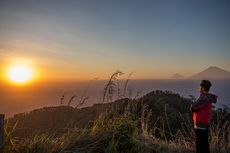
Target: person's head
205, 86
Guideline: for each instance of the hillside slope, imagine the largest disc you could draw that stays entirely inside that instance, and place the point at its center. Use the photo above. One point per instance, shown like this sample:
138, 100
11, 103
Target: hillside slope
158, 122
53, 119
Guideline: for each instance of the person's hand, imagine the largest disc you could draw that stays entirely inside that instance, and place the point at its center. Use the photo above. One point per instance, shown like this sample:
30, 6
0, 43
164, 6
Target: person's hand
191, 108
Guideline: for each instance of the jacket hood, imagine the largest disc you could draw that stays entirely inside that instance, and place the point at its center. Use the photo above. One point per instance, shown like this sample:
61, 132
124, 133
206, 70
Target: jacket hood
212, 97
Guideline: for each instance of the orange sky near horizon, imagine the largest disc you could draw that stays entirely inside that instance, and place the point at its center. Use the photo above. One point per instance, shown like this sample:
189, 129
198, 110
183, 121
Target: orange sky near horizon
69, 72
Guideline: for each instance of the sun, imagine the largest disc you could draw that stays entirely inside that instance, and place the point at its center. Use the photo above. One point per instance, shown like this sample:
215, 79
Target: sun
20, 74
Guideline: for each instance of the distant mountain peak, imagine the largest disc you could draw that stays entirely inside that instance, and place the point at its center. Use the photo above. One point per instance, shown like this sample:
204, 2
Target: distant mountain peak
212, 72
177, 76
214, 68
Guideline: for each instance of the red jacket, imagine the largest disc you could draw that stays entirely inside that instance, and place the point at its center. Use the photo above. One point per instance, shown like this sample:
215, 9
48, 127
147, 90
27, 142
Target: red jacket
202, 110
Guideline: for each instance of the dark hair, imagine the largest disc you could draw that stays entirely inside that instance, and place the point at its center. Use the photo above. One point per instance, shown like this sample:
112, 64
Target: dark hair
206, 84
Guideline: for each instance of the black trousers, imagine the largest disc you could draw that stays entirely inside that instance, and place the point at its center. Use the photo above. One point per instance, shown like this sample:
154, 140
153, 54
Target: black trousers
202, 144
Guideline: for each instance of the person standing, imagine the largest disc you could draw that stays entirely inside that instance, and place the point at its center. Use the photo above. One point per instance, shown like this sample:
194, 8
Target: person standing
202, 114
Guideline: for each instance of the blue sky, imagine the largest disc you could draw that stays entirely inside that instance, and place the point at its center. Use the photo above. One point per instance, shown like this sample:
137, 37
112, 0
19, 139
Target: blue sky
86, 38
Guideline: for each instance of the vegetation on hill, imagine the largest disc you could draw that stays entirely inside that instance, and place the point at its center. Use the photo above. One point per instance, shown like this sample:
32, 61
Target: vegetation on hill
156, 105
158, 122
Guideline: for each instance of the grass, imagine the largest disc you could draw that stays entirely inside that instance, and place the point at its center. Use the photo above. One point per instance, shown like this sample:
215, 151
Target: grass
116, 135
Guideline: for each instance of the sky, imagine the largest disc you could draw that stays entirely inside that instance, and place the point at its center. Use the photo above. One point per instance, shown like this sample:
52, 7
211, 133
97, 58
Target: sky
84, 39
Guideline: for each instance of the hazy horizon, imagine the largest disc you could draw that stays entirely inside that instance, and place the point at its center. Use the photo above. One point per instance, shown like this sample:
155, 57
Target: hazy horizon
18, 100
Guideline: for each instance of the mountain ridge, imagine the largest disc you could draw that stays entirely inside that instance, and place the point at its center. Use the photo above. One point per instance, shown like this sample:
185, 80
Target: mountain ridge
177, 76
212, 72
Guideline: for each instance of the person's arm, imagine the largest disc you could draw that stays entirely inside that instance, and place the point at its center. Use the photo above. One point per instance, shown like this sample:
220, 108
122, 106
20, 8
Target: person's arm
201, 101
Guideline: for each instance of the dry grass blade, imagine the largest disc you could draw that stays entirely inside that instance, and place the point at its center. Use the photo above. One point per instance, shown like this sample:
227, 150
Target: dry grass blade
109, 87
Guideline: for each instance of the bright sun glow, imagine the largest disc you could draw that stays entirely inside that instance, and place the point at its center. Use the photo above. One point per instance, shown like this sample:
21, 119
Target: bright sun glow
20, 74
